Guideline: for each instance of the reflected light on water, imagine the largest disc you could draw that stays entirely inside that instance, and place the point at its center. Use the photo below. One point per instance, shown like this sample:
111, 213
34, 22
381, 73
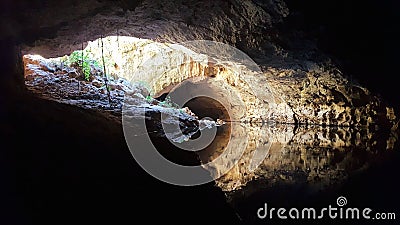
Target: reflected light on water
314, 155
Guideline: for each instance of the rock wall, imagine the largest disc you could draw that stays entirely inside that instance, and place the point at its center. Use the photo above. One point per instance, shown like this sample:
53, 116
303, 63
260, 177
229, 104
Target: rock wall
303, 91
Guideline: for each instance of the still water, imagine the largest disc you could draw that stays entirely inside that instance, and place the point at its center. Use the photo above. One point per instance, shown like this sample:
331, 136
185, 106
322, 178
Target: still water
309, 166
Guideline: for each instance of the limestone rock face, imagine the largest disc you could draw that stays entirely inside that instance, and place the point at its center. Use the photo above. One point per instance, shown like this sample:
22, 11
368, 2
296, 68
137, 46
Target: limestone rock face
308, 93
233, 22
322, 95
301, 90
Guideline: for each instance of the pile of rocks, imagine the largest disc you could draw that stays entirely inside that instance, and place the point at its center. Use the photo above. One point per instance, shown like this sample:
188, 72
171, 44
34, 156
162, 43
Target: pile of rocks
51, 80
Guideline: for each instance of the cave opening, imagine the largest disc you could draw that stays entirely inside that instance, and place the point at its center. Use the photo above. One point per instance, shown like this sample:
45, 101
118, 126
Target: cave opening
104, 69
81, 79
210, 107
203, 107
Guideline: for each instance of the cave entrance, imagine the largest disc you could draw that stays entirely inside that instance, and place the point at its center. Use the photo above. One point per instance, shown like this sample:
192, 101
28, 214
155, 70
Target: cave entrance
203, 107
208, 107
206, 99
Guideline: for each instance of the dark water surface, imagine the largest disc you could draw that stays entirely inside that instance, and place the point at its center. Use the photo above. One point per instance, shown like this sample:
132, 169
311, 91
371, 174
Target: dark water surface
313, 168
289, 166
68, 166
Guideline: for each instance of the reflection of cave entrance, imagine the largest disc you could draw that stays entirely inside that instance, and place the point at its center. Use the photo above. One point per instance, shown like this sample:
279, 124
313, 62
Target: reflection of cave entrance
208, 107
217, 146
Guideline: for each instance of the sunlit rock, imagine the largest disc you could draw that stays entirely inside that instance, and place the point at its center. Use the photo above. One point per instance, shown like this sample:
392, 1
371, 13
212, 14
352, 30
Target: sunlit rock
300, 89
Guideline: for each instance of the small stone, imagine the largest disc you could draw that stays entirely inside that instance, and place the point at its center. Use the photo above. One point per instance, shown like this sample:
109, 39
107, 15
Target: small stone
98, 77
114, 86
97, 83
102, 90
44, 66
29, 78
73, 80
220, 122
390, 113
58, 72
120, 93
73, 74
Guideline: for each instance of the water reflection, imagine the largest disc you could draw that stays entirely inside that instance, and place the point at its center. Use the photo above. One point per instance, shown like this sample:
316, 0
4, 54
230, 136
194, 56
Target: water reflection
287, 154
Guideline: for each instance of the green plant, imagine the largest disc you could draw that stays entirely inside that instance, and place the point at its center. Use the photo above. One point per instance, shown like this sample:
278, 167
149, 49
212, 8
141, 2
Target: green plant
82, 59
169, 103
149, 99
